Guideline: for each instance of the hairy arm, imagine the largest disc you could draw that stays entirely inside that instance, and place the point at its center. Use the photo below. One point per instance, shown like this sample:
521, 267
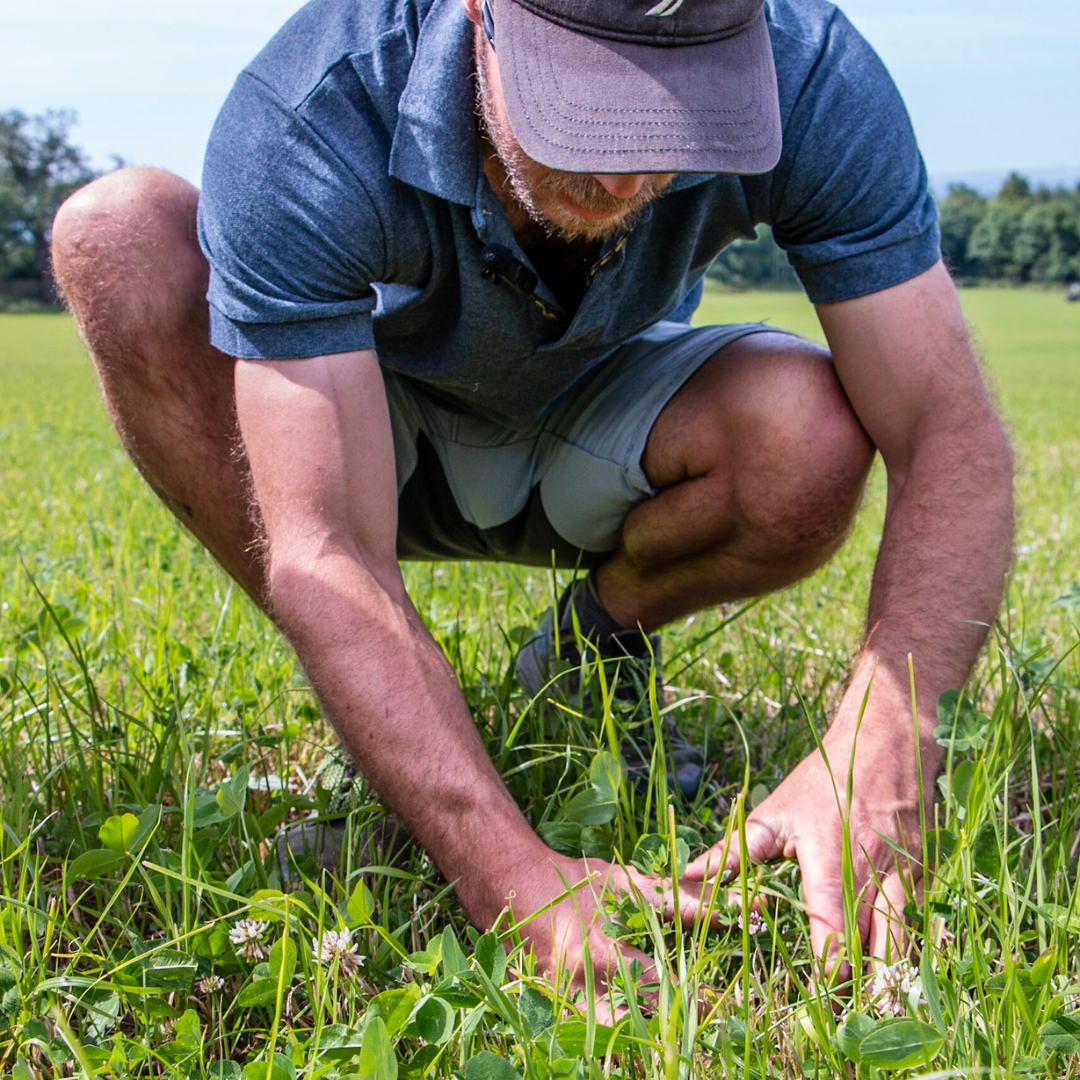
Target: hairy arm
908, 368
318, 439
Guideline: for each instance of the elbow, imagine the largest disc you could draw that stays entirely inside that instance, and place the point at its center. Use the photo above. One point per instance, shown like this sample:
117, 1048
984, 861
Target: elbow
315, 581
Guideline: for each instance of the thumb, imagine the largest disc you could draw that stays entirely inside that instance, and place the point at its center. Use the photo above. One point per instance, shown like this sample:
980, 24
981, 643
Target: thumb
764, 842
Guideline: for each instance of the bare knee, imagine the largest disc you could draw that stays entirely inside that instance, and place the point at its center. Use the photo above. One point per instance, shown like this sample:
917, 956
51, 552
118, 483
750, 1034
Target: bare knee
126, 255
776, 453
804, 457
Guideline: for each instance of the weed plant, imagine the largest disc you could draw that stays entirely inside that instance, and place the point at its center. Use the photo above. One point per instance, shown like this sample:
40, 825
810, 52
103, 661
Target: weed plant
156, 734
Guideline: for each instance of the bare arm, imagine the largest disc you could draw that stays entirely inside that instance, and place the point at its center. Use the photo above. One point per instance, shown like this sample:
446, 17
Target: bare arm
907, 366
317, 435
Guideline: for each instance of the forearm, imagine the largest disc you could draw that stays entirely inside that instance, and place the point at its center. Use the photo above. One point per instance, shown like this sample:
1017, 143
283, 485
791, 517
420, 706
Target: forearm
940, 572
396, 705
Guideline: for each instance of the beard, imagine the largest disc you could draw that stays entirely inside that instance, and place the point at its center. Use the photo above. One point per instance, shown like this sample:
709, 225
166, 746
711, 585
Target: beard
535, 186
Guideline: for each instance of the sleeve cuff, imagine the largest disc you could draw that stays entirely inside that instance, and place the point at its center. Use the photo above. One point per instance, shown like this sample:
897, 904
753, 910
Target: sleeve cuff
291, 341
871, 271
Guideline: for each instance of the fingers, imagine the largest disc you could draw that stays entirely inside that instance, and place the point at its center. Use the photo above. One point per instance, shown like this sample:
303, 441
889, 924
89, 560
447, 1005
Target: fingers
763, 843
889, 939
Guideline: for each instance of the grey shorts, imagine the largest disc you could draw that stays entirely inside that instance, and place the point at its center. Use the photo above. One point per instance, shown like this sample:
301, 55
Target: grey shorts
558, 491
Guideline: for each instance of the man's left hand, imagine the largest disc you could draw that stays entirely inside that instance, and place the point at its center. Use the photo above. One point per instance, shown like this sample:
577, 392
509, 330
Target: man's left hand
805, 817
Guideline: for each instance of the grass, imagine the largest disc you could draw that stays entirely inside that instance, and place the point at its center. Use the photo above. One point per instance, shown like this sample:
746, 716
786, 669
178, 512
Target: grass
155, 733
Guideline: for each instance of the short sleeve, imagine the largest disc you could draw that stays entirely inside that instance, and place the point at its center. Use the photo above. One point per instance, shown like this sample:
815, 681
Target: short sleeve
849, 201
293, 239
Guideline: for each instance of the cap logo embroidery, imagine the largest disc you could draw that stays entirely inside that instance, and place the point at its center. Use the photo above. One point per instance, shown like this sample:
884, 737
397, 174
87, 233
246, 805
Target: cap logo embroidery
665, 7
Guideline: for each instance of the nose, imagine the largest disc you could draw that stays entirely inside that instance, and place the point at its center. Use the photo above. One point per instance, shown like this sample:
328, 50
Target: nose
621, 185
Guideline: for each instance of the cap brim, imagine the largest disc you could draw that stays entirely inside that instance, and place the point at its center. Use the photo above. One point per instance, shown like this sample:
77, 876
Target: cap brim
586, 104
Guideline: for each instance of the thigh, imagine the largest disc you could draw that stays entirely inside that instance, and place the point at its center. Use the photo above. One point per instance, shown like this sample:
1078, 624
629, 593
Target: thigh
595, 442
558, 491
758, 405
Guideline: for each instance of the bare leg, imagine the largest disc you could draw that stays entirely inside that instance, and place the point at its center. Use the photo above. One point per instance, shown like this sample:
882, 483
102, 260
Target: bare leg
128, 262
761, 464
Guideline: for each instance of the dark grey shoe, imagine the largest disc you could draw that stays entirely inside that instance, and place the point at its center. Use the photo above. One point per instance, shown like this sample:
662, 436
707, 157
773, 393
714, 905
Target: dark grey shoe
628, 658
319, 844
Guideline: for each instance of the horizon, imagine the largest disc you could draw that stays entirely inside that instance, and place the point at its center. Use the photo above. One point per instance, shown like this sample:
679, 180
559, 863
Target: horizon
989, 91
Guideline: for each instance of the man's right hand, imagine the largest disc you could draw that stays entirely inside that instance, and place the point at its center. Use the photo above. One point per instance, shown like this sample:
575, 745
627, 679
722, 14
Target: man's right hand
319, 444
570, 934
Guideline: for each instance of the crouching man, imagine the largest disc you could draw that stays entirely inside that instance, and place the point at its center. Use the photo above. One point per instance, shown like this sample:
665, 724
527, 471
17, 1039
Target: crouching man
437, 291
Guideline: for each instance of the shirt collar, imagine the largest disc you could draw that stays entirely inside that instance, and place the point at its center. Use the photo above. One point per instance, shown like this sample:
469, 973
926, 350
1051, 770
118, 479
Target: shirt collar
436, 142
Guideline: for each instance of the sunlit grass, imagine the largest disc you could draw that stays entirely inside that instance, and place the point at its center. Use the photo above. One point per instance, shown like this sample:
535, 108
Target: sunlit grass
155, 733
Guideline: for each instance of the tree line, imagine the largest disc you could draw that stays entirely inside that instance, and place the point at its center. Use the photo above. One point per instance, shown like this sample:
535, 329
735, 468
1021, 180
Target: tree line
1018, 235
39, 169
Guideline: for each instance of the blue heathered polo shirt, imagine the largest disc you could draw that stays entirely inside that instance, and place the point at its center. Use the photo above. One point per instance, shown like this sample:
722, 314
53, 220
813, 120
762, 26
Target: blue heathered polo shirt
345, 205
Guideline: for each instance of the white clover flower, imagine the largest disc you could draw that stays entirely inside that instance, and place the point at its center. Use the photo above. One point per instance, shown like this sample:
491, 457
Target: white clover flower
246, 936
755, 924
209, 984
337, 946
891, 987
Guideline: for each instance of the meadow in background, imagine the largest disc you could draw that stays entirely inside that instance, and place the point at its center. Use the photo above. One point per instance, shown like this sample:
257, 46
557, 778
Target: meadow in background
155, 732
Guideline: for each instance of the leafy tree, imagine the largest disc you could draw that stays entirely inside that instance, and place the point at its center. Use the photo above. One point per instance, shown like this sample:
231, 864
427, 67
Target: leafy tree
1015, 189
959, 213
992, 248
39, 169
1048, 242
759, 263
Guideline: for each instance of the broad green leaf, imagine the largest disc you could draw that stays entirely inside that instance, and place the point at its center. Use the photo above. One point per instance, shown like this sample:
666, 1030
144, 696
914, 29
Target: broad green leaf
562, 836
169, 966
536, 1010
597, 841
361, 905
589, 807
491, 956
453, 958
489, 1066
93, 864
281, 1068
940, 844
225, 1070
377, 1058
434, 1020
283, 954
572, 1034
339, 1043
394, 1007
900, 1044
461, 991
188, 1031
1062, 1034
957, 787
1043, 967
758, 794
851, 1033
232, 794
987, 850
605, 775
962, 726
118, 832
259, 992
651, 855
148, 823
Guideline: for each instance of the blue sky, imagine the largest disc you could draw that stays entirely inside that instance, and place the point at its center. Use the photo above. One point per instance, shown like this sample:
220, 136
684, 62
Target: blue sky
991, 85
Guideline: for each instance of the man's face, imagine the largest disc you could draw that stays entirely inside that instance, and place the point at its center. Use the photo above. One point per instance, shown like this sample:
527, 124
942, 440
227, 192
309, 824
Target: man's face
572, 206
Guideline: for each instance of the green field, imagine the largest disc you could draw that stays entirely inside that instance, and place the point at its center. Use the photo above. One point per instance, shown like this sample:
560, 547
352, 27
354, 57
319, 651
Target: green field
135, 680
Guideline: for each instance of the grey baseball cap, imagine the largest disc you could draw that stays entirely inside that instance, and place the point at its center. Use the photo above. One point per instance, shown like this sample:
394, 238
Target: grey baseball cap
632, 86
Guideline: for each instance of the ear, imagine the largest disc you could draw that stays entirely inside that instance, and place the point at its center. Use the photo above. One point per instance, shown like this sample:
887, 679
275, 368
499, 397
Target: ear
472, 10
